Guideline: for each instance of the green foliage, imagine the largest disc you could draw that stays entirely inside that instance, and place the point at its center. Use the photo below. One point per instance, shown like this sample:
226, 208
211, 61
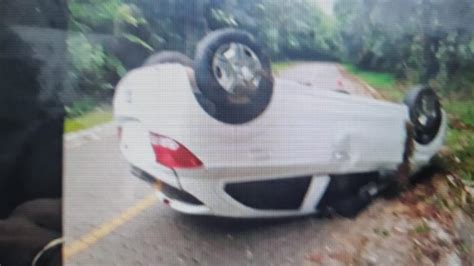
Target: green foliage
130, 14
377, 79
460, 137
286, 29
81, 107
114, 64
427, 41
85, 56
458, 140
462, 109
461, 143
384, 82
90, 65
94, 13
87, 120
296, 29
96, 28
135, 39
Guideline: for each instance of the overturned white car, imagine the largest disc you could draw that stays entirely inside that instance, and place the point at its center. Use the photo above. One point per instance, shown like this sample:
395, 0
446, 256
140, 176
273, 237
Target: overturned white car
223, 137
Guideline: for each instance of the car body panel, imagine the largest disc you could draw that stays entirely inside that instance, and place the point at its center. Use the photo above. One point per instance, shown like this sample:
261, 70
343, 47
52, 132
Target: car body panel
303, 131
302, 126
211, 193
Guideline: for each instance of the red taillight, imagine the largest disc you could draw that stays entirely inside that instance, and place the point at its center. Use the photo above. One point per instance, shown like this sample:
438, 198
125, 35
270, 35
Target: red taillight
172, 154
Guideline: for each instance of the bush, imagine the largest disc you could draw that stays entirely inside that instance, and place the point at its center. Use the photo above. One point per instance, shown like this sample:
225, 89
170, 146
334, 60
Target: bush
81, 107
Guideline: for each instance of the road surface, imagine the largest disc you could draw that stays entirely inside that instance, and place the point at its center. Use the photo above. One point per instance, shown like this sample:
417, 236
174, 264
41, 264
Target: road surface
111, 219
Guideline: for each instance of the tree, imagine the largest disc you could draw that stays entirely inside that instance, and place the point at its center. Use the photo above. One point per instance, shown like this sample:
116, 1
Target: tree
424, 41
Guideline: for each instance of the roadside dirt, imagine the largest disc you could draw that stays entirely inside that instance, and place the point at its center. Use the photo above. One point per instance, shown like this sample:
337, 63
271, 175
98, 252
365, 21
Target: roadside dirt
429, 223
426, 225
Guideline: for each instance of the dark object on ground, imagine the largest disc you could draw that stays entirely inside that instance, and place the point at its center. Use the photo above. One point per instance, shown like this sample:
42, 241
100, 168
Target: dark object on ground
168, 57
349, 194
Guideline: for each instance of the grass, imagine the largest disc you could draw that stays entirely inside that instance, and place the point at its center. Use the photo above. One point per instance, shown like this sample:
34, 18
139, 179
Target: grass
464, 110
385, 83
277, 67
422, 228
461, 144
88, 120
376, 79
460, 136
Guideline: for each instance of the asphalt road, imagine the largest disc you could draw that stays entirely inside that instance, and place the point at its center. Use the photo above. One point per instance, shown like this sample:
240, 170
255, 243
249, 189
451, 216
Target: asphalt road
111, 217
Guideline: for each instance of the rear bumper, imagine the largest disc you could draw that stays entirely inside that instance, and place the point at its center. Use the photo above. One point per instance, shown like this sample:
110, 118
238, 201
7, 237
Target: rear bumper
183, 206
135, 147
172, 196
250, 198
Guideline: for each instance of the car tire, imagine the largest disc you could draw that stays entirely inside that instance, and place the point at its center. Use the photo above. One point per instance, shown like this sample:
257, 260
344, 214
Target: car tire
351, 206
425, 113
211, 74
164, 57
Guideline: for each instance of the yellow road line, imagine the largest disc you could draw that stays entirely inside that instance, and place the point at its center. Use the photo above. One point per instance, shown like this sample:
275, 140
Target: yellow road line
106, 228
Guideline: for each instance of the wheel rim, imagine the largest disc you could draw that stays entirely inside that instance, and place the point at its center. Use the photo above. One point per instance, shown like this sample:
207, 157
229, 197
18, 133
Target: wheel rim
426, 111
237, 69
